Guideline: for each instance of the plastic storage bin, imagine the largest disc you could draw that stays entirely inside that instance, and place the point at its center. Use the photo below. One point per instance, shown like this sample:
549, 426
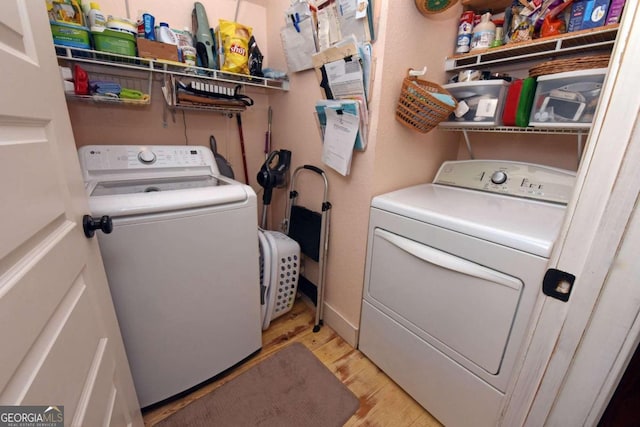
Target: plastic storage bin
112, 41
70, 35
567, 100
480, 103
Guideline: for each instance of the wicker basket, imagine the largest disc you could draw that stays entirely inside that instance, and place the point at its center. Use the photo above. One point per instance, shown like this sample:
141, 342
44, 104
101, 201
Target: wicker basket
570, 64
418, 108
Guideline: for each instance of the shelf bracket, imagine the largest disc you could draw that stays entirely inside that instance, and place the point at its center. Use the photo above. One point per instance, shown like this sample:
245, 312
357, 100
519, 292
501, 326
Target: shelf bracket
166, 110
580, 146
468, 142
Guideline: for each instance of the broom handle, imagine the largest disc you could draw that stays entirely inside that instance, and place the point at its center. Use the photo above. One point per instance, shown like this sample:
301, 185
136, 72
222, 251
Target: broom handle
267, 142
244, 155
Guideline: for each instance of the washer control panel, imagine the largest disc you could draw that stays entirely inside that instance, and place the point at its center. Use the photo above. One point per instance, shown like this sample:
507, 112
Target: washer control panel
130, 158
517, 179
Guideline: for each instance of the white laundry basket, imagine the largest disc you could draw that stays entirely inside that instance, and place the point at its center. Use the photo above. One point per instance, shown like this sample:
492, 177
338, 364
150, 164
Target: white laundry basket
279, 270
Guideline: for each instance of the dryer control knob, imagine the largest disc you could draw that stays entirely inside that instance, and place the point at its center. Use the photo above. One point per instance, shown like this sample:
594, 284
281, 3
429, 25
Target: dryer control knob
498, 177
147, 156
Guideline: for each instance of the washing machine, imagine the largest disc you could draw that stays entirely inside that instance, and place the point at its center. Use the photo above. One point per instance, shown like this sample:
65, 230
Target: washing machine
454, 269
182, 262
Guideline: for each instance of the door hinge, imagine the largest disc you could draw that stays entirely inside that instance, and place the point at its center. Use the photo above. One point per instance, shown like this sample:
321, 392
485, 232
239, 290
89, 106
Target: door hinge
558, 284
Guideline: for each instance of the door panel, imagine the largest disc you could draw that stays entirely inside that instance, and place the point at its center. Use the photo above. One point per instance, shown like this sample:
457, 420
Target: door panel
71, 326
24, 288
470, 315
36, 199
11, 26
98, 389
61, 342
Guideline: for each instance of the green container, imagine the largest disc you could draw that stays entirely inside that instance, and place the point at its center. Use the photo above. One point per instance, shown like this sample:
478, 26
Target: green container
112, 41
526, 101
70, 35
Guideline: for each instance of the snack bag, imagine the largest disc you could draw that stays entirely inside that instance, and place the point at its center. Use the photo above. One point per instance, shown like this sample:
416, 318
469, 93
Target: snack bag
521, 25
235, 42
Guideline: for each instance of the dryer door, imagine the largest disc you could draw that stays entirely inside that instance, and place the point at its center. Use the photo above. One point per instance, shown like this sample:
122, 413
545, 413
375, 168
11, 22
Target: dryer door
461, 306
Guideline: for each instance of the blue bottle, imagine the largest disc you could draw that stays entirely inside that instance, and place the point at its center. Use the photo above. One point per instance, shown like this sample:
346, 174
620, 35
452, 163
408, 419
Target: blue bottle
149, 24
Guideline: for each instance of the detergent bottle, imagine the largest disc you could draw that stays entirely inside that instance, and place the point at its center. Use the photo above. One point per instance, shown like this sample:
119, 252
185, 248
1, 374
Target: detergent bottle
165, 34
483, 33
97, 21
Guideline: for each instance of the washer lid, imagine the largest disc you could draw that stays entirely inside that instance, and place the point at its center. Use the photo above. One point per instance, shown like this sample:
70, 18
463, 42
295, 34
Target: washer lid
109, 188
132, 197
522, 224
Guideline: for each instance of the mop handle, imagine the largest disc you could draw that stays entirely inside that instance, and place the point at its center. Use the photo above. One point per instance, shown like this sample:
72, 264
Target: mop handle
244, 155
267, 142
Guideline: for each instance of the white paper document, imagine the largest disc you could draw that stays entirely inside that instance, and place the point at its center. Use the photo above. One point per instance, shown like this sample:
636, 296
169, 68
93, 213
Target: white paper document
328, 28
345, 77
339, 139
352, 22
299, 45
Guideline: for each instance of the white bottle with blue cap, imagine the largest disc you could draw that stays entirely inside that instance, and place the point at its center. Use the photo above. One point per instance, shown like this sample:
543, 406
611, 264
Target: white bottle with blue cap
483, 33
165, 34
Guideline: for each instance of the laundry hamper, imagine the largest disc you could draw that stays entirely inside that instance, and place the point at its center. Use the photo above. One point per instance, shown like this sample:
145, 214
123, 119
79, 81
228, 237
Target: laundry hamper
279, 271
422, 104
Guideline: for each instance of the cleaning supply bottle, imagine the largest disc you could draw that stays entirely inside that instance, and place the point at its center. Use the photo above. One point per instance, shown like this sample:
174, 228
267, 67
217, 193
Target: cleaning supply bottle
186, 52
146, 26
465, 30
97, 21
499, 34
185, 38
483, 33
165, 34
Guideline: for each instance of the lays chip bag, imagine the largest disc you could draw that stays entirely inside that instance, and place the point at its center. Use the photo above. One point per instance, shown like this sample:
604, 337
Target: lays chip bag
234, 39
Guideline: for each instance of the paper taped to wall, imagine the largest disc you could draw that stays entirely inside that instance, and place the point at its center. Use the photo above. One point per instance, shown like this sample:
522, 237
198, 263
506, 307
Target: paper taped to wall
299, 45
339, 138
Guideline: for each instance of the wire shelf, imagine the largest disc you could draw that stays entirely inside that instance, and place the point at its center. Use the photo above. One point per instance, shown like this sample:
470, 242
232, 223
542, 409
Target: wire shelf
134, 80
174, 100
514, 129
167, 67
102, 99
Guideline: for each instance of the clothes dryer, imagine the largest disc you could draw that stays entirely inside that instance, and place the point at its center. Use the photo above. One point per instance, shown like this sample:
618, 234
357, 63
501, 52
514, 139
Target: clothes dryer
453, 272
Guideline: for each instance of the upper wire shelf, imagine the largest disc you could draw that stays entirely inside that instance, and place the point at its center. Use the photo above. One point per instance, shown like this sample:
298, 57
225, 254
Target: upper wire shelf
168, 67
515, 129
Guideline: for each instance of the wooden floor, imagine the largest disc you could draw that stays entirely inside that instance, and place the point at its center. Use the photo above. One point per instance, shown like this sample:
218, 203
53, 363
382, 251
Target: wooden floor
382, 402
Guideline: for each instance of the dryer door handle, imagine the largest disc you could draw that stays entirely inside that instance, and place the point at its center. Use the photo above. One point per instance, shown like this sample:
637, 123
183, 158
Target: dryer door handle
448, 261
90, 225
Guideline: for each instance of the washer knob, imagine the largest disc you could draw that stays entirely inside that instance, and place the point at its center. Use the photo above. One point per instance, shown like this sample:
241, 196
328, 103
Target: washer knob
147, 156
498, 177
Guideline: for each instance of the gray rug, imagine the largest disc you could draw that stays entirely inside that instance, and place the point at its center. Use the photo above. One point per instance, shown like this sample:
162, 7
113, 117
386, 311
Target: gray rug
290, 388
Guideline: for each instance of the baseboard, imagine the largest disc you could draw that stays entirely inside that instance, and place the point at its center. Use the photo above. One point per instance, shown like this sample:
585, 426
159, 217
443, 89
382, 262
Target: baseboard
335, 321
340, 325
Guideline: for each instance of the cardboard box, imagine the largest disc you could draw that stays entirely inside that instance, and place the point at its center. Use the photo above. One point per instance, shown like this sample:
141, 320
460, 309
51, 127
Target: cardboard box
155, 50
615, 12
587, 14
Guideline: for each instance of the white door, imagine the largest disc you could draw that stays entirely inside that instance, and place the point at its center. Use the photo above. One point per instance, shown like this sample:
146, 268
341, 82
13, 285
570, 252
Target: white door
578, 350
60, 342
